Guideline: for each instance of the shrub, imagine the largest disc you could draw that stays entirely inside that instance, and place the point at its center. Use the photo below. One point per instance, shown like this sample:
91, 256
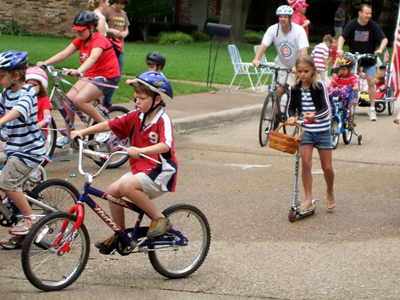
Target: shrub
253, 37
11, 27
200, 36
175, 38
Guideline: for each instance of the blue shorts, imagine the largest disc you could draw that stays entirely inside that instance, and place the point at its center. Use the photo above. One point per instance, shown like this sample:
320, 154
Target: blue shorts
335, 70
320, 140
370, 71
103, 88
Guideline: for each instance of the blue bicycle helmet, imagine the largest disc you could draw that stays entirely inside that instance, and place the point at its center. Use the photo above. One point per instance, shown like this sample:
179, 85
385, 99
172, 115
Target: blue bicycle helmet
157, 83
13, 60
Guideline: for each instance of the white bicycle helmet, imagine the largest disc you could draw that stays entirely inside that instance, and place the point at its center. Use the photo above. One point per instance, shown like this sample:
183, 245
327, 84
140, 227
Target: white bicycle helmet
284, 10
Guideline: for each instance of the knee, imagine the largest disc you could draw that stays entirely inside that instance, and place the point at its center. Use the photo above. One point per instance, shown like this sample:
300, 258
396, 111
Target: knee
306, 165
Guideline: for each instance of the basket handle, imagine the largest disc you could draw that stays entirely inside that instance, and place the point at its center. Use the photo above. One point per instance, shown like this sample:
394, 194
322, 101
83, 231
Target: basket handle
295, 124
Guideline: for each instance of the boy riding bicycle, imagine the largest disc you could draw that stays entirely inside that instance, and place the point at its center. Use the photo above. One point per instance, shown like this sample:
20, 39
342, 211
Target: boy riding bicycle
24, 148
344, 80
150, 131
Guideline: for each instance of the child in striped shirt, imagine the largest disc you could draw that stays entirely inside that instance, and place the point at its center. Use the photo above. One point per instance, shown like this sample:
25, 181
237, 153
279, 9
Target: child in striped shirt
320, 55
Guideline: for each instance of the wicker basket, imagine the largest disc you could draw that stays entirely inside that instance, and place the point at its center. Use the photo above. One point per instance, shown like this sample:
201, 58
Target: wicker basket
283, 142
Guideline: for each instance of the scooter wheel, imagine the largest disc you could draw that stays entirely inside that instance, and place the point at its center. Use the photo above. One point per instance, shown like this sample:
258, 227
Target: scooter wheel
292, 215
360, 139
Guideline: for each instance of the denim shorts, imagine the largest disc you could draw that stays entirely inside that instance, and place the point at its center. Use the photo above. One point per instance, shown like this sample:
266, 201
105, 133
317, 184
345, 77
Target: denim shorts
320, 140
103, 88
370, 71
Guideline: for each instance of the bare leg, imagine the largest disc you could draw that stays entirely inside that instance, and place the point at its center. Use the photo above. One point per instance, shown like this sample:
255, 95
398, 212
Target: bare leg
329, 175
20, 201
306, 176
371, 90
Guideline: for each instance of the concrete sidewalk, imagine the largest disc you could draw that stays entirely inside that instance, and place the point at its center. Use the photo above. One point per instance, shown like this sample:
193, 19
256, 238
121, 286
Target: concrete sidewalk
207, 109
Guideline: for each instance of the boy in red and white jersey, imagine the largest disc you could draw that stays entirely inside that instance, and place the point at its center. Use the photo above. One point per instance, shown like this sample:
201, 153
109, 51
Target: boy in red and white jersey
320, 55
150, 131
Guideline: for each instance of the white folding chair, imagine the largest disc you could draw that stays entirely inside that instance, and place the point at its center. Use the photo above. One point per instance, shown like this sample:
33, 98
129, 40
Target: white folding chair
243, 69
264, 71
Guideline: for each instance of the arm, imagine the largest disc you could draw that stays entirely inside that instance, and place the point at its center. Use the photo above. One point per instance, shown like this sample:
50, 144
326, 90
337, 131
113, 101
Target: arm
101, 127
259, 54
43, 123
71, 49
324, 101
123, 34
154, 149
10, 116
382, 46
101, 26
339, 50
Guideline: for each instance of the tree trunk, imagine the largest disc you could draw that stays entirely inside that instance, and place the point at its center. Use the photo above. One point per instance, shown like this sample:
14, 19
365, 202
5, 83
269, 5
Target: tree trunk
234, 12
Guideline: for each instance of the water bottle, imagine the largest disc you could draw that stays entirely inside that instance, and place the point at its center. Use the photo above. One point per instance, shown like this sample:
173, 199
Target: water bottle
3, 133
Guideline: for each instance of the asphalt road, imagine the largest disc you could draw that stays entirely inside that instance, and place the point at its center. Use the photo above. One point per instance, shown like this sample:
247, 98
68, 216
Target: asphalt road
256, 253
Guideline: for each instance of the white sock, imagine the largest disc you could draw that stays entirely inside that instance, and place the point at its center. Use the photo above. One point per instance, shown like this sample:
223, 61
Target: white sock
372, 109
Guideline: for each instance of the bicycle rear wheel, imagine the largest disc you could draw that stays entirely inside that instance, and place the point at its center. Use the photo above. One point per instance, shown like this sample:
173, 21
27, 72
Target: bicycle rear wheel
348, 132
115, 145
390, 103
43, 265
57, 193
50, 141
267, 119
180, 261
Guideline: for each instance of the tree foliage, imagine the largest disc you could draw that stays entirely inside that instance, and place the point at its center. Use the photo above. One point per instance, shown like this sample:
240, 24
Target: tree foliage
145, 11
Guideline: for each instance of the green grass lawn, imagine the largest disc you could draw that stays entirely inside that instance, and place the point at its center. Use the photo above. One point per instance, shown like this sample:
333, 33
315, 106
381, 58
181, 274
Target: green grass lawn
188, 62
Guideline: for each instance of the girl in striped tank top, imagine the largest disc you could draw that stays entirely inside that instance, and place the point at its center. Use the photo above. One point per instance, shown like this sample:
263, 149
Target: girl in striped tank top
309, 100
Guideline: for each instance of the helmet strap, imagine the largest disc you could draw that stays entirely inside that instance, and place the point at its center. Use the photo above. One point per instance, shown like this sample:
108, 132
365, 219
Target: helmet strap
90, 36
13, 82
152, 108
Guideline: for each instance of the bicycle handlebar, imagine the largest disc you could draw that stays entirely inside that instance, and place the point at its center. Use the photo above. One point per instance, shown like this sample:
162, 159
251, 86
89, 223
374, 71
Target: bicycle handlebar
275, 67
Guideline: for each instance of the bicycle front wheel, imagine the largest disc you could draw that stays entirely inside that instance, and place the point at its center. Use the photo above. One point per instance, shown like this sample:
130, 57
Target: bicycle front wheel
115, 145
50, 141
57, 193
267, 119
335, 132
43, 265
180, 261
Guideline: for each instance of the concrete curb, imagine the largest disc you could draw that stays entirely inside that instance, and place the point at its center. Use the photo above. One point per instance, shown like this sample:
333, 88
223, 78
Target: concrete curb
211, 119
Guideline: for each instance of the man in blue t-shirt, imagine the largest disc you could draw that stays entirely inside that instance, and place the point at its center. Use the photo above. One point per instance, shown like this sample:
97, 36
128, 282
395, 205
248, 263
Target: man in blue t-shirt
363, 35
339, 20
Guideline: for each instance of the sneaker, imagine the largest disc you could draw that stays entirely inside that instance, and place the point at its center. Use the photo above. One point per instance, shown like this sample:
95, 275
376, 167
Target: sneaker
107, 246
23, 226
63, 141
12, 241
158, 227
103, 137
351, 123
372, 115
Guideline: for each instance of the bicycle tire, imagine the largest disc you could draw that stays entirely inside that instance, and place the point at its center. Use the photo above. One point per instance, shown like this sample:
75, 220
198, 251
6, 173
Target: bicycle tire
43, 266
57, 193
114, 111
182, 261
266, 119
51, 140
348, 132
390, 103
334, 132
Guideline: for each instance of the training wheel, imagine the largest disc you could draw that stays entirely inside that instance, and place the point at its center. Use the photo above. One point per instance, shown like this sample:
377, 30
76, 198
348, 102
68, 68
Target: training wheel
292, 215
360, 139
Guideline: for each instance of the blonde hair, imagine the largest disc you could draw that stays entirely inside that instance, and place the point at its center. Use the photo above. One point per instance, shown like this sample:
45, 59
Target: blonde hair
93, 4
308, 61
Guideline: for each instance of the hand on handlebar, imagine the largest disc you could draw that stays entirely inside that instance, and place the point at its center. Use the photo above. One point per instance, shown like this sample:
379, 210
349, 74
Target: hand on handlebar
134, 152
75, 134
72, 72
256, 63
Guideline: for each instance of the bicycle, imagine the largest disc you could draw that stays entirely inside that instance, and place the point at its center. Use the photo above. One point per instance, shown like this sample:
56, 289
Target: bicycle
340, 125
272, 115
56, 249
58, 99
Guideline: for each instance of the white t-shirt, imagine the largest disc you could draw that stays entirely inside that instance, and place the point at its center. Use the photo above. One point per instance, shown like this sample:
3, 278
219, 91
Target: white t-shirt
287, 45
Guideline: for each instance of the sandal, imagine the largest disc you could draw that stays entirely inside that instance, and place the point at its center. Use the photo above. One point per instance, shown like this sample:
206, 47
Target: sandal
330, 205
307, 208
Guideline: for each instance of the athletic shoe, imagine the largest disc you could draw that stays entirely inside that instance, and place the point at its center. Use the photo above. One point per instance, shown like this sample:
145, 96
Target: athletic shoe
107, 246
372, 115
23, 226
158, 227
63, 141
103, 137
12, 241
